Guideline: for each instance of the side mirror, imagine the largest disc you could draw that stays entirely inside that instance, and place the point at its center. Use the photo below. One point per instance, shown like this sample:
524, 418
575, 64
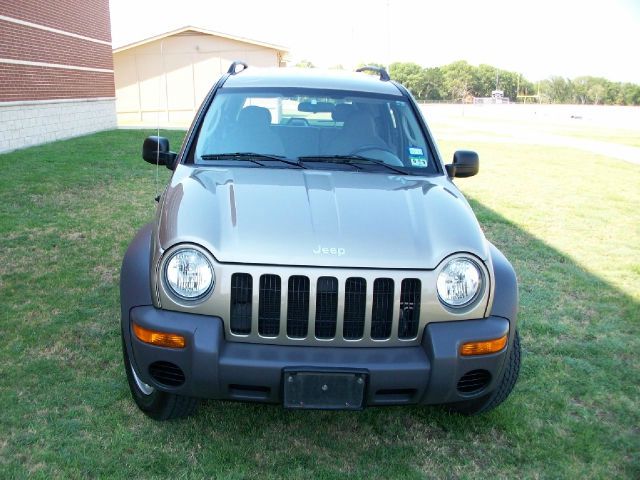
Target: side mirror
465, 164
156, 150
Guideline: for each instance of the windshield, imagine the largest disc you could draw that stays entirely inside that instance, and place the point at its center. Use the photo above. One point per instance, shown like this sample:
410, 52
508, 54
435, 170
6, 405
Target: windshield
313, 129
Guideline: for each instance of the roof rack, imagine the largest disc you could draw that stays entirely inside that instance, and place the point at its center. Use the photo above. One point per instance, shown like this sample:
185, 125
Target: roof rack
234, 65
384, 76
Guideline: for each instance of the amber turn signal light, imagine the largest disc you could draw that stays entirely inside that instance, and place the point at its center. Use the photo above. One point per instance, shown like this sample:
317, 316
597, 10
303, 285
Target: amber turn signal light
483, 348
161, 339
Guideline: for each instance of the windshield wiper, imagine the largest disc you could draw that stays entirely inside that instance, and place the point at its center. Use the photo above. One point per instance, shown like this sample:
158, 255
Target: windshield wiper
251, 157
350, 160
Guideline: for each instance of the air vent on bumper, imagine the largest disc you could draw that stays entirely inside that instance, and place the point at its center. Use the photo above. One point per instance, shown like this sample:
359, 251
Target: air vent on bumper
167, 373
474, 381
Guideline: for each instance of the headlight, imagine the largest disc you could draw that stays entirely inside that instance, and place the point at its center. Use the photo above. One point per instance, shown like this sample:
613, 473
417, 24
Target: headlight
189, 274
459, 282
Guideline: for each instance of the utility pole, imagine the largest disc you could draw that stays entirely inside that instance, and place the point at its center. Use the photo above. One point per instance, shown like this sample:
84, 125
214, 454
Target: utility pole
388, 36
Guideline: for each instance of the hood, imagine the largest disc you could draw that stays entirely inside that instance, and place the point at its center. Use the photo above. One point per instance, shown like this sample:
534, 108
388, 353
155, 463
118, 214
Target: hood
318, 218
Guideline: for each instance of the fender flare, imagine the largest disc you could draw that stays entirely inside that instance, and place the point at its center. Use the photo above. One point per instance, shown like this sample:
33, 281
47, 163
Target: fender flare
135, 281
505, 301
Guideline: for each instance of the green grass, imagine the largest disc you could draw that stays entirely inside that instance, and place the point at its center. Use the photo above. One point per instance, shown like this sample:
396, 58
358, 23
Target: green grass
569, 222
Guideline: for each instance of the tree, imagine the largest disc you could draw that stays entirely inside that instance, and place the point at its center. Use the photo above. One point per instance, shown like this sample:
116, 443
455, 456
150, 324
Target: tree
557, 89
423, 83
411, 75
581, 90
485, 80
305, 64
630, 93
434, 89
526, 87
508, 83
401, 71
458, 80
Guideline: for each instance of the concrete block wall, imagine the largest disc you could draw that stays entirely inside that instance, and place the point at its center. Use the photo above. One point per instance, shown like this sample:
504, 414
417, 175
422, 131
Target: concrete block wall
28, 123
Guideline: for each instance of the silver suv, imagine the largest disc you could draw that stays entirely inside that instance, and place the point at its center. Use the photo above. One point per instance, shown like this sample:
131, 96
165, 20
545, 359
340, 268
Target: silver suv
312, 250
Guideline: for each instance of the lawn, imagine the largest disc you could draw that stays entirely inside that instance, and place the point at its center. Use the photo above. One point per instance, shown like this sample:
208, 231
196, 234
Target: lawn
569, 221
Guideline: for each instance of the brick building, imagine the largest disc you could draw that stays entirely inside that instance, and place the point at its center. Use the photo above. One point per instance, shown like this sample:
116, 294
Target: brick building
56, 70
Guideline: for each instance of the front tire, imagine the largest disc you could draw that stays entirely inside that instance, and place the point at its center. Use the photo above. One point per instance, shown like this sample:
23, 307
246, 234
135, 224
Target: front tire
153, 402
502, 391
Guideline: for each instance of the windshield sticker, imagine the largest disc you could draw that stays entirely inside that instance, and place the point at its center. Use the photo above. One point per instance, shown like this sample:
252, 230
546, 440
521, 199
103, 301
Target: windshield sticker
416, 155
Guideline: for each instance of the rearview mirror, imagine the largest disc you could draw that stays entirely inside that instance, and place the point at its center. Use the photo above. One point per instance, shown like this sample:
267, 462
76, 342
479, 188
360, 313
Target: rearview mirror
155, 150
317, 107
465, 164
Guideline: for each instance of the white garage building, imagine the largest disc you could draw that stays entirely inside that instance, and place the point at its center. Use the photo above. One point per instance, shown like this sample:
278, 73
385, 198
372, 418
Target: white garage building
162, 80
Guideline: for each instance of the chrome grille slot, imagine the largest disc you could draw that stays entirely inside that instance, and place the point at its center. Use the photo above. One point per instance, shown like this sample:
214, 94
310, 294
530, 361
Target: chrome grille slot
298, 307
326, 307
382, 313
409, 308
269, 305
355, 304
241, 300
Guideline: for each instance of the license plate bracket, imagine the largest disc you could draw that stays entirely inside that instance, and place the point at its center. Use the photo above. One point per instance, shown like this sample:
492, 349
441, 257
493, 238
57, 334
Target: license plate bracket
324, 390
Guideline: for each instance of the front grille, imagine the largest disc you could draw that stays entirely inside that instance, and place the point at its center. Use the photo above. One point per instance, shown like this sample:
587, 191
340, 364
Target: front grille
269, 306
298, 307
326, 307
241, 300
355, 304
305, 308
409, 308
382, 314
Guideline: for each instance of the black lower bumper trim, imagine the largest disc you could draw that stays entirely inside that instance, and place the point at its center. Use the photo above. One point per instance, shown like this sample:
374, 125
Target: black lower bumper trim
215, 368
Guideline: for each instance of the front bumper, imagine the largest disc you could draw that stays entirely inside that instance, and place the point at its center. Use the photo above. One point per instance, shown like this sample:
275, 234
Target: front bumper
215, 368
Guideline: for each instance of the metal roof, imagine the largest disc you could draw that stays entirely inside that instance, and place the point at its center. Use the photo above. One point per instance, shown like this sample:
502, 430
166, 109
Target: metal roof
203, 31
311, 78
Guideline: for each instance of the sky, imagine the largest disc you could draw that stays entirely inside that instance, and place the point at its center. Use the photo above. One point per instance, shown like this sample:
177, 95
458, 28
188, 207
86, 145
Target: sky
538, 38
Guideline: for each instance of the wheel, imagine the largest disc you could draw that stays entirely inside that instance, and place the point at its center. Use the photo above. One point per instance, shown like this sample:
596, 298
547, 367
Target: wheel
502, 391
155, 403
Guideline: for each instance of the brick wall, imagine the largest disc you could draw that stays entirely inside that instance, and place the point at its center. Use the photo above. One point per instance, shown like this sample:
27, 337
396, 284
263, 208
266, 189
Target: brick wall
23, 42
56, 70
24, 82
83, 17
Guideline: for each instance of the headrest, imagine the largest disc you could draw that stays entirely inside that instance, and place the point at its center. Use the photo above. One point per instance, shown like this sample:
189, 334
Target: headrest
254, 116
341, 111
360, 123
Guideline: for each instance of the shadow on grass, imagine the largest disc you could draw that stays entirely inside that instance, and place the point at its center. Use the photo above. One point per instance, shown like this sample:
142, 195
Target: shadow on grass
67, 410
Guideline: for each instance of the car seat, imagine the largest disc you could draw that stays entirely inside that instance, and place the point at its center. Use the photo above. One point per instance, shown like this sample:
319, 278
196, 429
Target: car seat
252, 133
358, 131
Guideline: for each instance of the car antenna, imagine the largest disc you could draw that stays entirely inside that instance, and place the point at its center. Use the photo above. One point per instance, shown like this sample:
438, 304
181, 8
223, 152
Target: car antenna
157, 197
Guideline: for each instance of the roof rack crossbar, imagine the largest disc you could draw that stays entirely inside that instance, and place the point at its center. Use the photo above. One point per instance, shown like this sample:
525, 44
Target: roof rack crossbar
234, 65
384, 76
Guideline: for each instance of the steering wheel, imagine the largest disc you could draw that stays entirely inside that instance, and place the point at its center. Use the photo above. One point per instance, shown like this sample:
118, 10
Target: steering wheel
389, 157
